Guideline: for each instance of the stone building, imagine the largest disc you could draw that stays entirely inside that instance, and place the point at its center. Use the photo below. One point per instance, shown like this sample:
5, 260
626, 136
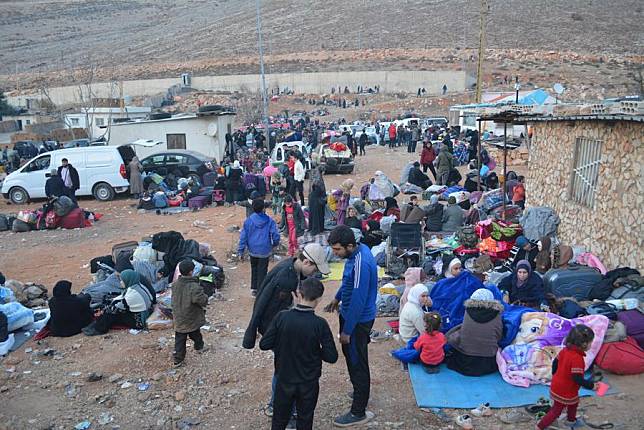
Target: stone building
589, 170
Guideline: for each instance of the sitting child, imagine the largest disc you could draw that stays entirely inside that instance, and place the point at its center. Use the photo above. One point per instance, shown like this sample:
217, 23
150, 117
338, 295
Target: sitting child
431, 343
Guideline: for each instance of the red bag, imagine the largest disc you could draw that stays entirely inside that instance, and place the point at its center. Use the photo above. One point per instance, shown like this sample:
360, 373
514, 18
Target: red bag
175, 201
74, 219
51, 220
621, 358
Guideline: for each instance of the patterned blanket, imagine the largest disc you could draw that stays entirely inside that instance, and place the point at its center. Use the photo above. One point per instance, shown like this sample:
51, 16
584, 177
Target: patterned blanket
528, 360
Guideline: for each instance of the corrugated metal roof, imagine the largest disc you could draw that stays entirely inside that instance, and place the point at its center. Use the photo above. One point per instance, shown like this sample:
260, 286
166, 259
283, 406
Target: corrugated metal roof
599, 117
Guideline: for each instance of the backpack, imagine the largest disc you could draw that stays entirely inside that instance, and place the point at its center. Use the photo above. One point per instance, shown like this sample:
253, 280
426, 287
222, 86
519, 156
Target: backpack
160, 200
63, 205
4, 223
621, 358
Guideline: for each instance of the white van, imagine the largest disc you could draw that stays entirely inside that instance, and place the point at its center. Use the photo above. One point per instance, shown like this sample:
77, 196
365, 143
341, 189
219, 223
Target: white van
101, 170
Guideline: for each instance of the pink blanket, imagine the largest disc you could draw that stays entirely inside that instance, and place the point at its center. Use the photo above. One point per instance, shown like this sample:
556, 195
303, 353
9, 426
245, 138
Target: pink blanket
528, 360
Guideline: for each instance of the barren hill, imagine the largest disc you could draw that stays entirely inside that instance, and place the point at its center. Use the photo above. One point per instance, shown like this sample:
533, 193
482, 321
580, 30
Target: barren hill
47, 35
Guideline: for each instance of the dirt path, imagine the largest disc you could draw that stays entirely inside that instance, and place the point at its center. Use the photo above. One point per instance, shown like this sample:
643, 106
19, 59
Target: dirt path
225, 388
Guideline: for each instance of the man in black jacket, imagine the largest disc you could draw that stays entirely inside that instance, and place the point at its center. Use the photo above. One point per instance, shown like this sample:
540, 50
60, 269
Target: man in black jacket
301, 341
55, 187
70, 178
276, 292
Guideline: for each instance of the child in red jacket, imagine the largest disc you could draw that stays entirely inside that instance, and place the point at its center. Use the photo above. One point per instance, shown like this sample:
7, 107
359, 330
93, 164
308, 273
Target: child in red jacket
431, 343
568, 376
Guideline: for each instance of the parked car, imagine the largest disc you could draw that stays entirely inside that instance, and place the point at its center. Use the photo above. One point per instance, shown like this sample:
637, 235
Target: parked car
439, 121
334, 156
189, 164
374, 139
26, 148
101, 171
278, 156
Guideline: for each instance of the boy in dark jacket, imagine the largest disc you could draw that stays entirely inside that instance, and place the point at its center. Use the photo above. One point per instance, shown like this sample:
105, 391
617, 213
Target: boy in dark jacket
260, 236
301, 340
188, 310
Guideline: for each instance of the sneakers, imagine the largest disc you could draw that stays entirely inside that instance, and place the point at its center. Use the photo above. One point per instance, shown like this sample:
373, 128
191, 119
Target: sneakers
177, 364
482, 410
253, 293
349, 420
464, 421
268, 410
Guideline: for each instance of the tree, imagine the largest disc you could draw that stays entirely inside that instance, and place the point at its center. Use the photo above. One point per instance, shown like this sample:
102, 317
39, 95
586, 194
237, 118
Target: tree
5, 107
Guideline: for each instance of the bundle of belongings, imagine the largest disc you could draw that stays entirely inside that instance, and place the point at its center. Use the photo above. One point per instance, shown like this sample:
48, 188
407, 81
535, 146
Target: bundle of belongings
171, 192
58, 212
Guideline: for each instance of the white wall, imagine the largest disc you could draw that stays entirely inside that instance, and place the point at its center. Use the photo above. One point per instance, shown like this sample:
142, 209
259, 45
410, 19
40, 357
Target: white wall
195, 130
313, 83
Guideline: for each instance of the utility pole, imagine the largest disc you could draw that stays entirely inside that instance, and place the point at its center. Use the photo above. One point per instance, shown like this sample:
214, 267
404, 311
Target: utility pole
261, 70
479, 67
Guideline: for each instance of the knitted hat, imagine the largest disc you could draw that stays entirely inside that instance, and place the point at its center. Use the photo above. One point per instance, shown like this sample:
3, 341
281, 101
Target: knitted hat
483, 295
521, 241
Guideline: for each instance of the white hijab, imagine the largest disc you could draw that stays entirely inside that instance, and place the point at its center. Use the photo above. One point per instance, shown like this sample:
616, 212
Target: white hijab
383, 184
452, 264
415, 292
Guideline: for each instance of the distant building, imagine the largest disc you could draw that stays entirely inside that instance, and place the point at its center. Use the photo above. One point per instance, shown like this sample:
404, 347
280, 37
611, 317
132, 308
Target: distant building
22, 120
95, 120
202, 132
588, 168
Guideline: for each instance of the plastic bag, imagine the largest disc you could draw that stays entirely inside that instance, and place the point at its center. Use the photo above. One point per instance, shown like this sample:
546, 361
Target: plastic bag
144, 252
18, 316
158, 320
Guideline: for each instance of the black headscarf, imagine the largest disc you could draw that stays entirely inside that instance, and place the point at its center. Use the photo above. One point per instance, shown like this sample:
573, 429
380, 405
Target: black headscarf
391, 203
62, 289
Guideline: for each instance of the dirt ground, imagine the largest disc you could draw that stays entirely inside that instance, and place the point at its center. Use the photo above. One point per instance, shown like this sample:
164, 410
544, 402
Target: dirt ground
228, 386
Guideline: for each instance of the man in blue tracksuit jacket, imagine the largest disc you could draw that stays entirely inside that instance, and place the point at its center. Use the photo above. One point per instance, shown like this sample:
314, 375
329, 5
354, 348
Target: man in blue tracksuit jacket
260, 236
356, 301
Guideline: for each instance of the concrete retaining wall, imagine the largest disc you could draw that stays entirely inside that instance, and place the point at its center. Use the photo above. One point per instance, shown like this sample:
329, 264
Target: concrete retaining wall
308, 83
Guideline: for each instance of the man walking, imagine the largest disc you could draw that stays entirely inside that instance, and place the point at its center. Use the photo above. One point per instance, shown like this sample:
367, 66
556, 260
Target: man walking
356, 301
70, 178
392, 135
260, 236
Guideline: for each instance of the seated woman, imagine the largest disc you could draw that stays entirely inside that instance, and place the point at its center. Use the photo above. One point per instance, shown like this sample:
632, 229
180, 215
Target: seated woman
475, 341
524, 287
453, 215
69, 312
392, 208
131, 308
352, 220
411, 321
454, 268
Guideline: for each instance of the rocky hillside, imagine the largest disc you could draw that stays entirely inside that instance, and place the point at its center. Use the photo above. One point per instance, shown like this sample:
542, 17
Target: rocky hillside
47, 35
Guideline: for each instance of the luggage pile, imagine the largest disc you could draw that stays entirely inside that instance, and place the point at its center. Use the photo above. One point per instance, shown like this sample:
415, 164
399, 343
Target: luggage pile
62, 212
163, 193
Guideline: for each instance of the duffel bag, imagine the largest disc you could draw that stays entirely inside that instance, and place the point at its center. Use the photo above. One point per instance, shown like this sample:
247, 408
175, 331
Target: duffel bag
63, 205
74, 219
616, 332
634, 322
20, 226
621, 358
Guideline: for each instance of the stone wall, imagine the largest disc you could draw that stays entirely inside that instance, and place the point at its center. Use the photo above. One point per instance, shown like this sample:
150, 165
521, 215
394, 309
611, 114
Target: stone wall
613, 229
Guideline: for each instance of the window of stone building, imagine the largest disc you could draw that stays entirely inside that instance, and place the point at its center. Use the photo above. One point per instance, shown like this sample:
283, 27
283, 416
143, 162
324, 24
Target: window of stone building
585, 172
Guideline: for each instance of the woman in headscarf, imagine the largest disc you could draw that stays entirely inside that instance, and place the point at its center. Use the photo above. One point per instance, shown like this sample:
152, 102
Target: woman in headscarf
136, 181
524, 287
475, 341
380, 189
411, 321
454, 268
542, 260
343, 201
69, 312
392, 208
352, 220
434, 212
131, 308
317, 205
234, 183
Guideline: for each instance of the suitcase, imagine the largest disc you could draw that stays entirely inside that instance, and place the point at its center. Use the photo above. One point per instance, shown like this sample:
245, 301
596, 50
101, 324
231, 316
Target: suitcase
634, 322
106, 259
197, 202
128, 246
575, 281
209, 179
74, 219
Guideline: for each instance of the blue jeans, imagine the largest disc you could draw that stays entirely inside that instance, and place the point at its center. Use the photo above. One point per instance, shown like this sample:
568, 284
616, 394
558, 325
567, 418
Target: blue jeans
273, 385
